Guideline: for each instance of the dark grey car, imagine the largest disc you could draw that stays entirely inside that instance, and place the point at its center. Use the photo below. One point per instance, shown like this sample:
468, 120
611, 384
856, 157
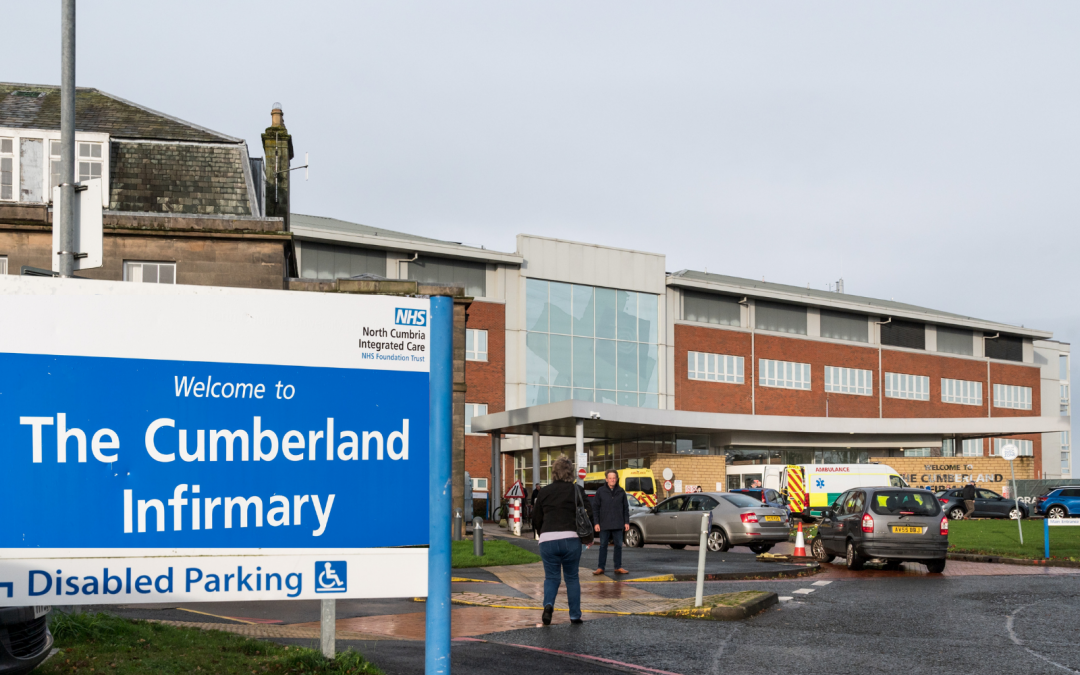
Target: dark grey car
25, 639
891, 525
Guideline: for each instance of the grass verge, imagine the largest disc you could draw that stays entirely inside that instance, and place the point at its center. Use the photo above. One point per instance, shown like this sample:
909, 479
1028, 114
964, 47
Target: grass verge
102, 643
496, 552
1000, 537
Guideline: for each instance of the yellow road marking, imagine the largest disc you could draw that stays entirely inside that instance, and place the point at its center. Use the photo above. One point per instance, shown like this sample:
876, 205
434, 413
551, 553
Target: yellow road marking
217, 616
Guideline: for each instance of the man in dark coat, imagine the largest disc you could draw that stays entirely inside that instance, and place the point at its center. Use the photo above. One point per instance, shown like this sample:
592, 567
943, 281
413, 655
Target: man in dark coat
968, 495
611, 513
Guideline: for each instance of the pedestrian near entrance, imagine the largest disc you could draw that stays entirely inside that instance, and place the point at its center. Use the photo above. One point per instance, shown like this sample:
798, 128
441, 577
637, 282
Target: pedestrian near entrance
968, 495
555, 519
611, 513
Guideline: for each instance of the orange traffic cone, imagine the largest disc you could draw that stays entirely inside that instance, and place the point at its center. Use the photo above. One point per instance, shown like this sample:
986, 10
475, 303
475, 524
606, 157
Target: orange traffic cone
800, 545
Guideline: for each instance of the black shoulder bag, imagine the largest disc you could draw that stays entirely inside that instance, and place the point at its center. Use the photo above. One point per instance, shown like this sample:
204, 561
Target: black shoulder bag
584, 522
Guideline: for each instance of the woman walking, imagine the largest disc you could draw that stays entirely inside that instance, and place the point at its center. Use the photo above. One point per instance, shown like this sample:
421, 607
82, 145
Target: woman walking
555, 520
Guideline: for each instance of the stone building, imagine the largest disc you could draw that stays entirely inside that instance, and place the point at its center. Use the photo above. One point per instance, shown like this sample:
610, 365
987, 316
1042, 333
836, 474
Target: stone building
182, 203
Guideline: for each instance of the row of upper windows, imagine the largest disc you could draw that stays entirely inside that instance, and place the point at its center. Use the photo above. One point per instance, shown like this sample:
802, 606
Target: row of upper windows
781, 317
791, 375
23, 166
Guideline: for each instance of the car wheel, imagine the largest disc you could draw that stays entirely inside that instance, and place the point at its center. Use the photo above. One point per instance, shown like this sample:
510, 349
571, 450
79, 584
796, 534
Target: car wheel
717, 541
817, 548
935, 566
1015, 514
854, 560
1056, 511
677, 547
761, 548
957, 513
633, 537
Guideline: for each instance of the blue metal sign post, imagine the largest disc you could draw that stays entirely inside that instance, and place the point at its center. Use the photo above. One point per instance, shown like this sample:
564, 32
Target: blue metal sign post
437, 635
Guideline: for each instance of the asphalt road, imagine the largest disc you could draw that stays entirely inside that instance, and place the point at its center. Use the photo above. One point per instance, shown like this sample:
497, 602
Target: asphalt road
900, 625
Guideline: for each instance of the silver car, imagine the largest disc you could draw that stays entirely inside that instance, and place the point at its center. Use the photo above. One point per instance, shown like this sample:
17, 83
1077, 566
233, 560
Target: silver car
737, 520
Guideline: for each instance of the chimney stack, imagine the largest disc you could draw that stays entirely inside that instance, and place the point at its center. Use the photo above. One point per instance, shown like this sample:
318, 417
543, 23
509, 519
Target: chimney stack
278, 149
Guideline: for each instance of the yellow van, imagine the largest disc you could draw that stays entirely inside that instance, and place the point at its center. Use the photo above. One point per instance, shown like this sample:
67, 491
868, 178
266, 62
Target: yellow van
636, 482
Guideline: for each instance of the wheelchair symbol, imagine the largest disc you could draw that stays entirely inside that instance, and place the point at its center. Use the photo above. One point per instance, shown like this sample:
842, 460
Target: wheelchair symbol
330, 577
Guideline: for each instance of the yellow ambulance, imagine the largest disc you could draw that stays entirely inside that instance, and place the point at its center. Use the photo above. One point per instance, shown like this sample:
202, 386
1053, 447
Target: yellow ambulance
636, 482
811, 487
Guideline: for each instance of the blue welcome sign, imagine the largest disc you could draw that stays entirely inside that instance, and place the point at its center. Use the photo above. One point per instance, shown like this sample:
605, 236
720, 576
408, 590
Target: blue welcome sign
184, 443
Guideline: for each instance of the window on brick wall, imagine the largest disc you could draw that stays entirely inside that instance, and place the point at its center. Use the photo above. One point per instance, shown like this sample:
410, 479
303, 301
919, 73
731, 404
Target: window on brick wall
1012, 396
780, 317
7, 168
972, 447
722, 310
955, 340
849, 381
715, 367
845, 326
476, 345
150, 272
948, 447
917, 452
913, 387
908, 334
783, 374
473, 410
964, 392
1005, 347
1027, 448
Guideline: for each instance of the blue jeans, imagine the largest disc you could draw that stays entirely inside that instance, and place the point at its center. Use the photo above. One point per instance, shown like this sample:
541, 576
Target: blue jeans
615, 535
562, 555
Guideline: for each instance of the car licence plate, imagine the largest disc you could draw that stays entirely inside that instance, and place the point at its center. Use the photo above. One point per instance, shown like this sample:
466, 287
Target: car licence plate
41, 610
772, 519
906, 529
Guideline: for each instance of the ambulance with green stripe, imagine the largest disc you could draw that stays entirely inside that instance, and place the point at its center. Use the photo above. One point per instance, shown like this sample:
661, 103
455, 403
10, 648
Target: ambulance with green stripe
809, 488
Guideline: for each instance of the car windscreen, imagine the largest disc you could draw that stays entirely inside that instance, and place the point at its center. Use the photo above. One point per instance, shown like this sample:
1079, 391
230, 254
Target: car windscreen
903, 503
741, 501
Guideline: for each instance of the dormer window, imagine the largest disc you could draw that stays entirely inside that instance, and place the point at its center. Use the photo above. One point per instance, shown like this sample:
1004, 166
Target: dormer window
7, 164
87, 161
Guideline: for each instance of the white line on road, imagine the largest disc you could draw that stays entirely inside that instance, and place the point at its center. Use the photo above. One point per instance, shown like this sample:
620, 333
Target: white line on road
1016, 640
804, 591
821, 583
786, 598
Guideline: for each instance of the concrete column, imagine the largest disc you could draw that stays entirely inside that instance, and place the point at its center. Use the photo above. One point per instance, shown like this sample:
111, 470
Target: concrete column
579, 445
495, 491
536, 455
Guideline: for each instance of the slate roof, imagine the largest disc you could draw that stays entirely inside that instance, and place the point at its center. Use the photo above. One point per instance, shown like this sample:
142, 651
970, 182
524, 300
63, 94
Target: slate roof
345, 227
178, 178
32, 106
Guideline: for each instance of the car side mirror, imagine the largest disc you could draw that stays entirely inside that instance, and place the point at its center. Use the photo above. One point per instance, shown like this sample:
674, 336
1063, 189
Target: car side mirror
828, 512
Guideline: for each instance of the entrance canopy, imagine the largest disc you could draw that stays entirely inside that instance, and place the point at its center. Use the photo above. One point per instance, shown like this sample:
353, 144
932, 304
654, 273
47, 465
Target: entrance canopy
604, 420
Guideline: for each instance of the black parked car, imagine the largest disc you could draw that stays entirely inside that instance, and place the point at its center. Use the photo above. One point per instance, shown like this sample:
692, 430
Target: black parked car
25, 639
988, 504
887, 524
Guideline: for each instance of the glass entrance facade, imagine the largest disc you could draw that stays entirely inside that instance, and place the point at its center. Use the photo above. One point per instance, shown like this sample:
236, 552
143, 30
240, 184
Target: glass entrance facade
591, 344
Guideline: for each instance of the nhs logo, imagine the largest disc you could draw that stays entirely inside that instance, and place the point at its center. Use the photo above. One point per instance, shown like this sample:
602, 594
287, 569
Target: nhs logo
410, 317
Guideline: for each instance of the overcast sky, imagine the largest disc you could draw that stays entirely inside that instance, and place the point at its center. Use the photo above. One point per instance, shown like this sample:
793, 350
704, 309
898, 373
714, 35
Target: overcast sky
926, 151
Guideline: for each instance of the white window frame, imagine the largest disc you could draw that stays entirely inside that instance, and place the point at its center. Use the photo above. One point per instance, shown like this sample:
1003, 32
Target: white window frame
3, 264
907, 387
840, 380
1027, 448
971, 447
89, 159
1012, 396
473, 338
962, 392
715, 367
477, 483
12, 172
784, 374
473, 410
134, 268
47, 136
